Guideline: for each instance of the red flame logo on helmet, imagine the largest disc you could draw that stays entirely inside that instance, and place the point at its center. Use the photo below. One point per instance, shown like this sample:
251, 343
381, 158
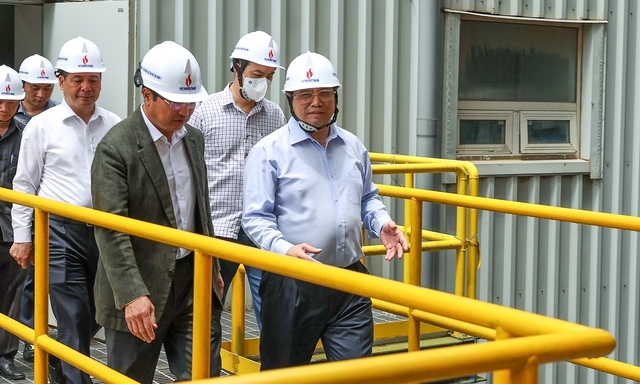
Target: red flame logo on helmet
188, 80
271, 53
42, 72
8, 89
85, 59
309, 74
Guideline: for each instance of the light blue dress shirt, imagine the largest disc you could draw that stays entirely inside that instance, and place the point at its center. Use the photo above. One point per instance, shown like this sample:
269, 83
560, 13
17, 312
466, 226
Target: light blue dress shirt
297, 191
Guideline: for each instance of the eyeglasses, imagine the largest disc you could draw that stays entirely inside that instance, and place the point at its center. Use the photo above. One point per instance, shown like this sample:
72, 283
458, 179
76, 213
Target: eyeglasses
175, 106
307, 97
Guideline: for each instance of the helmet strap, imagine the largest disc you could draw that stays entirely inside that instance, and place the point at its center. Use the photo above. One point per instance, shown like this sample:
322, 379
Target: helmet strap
306, 126
240, 70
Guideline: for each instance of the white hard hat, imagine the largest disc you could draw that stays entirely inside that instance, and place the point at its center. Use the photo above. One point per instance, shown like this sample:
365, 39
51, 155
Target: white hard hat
310, 70
173, 72
80, 55
258, 47
10, 84
36, 69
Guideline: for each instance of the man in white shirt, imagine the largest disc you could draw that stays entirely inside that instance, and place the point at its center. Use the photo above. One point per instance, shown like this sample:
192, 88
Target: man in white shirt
55, 162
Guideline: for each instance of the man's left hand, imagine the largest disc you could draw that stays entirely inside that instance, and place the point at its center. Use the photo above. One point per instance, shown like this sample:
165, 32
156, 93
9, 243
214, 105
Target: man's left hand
220, 284
394, 240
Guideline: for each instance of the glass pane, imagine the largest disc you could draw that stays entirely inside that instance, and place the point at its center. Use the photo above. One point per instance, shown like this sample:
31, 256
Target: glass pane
517, 62
548, 131
482, 131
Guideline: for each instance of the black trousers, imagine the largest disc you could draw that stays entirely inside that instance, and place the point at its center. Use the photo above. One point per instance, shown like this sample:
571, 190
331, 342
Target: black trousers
138, 359
11, 279
73, 261
296, 314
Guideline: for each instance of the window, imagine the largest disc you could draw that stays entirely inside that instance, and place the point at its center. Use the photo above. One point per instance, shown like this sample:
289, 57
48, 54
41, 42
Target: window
523, 95
518, 91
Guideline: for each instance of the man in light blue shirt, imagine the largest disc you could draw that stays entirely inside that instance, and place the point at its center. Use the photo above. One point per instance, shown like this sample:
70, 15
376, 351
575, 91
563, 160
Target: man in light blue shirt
308, 187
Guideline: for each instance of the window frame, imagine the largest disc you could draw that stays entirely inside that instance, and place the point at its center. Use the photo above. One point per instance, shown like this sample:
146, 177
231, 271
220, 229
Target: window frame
588, 121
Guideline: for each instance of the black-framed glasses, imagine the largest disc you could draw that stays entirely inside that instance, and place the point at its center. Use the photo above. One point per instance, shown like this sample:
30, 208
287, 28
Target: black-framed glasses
175, 106
307, 97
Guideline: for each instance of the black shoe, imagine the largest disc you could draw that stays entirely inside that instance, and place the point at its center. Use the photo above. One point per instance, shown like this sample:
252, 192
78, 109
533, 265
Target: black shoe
55, 373
10, 371
27, 352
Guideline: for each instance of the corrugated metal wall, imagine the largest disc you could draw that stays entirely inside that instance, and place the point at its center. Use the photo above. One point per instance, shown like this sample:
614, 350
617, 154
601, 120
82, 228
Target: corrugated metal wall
388, 55
579, 273
374, 46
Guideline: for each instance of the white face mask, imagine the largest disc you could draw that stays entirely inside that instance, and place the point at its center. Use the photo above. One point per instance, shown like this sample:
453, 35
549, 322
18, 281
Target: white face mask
255, 89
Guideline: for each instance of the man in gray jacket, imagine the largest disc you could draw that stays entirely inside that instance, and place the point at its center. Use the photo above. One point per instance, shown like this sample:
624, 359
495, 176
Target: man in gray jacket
151, 167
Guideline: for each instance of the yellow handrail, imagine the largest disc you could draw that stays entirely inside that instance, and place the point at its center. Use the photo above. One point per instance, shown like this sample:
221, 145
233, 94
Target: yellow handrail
545, 338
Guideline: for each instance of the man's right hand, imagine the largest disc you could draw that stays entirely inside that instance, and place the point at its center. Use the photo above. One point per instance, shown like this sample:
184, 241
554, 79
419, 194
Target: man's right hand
141, 318
22, 253
301, 251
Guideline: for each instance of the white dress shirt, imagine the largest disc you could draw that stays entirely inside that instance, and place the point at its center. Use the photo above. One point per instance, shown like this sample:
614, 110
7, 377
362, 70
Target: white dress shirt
55, 160
176, 167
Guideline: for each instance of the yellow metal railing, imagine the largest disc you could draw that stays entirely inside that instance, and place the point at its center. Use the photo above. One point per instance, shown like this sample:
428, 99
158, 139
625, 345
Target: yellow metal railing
526, 340
467, 182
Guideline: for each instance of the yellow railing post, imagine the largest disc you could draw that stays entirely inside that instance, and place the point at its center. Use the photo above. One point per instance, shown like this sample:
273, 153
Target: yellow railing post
408, 179
461, 234
415, 269
525, 374
202, 284
237, 312
41, 293
473, 242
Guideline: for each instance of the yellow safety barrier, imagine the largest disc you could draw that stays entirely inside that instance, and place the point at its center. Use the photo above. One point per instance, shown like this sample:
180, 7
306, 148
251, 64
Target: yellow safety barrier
465, 171
525, 340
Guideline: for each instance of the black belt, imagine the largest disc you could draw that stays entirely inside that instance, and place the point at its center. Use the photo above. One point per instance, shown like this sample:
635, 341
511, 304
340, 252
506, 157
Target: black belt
67, 220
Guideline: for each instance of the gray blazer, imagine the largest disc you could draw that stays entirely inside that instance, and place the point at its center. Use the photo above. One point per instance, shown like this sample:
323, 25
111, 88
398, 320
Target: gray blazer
128, 179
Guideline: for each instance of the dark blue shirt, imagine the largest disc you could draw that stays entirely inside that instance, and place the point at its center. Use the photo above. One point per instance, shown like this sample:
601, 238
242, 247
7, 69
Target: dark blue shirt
9, 149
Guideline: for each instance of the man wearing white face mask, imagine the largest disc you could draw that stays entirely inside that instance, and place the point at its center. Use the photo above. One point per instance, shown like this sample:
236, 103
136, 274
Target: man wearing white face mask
232, 121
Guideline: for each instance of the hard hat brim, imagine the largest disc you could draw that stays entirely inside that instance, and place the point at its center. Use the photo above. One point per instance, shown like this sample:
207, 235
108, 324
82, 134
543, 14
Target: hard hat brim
12, 97
201, 95
30, 81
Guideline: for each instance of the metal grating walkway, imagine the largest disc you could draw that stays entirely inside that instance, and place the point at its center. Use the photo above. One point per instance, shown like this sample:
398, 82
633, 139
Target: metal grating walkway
99, 349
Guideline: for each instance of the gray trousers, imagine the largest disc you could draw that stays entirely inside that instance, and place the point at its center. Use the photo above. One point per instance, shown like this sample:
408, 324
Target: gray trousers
11, 279
73, 261
137, 359
296, 314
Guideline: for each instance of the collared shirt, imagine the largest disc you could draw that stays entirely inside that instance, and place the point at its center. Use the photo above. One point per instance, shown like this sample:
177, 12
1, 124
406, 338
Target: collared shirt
297, 191
55, 160
9, 149
22, 115
176, 167
229, 134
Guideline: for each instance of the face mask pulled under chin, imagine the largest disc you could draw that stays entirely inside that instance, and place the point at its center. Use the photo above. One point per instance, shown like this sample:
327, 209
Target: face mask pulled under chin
255, 89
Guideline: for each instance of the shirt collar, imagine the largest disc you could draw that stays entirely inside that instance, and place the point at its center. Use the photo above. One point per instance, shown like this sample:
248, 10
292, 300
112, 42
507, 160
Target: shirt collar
68, 112
157, 135
298, 134
21, 109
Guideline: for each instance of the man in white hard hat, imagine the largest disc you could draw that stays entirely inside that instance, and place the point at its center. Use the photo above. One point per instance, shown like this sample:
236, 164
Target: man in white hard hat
150, 167
11, 275
56, 154
308, 188
38, 79
232, 121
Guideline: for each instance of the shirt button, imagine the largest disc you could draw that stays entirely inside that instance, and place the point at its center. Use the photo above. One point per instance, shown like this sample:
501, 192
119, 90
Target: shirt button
171, 272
